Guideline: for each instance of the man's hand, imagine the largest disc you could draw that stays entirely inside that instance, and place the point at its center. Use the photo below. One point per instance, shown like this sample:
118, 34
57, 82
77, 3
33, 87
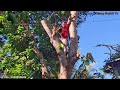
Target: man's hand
73, 15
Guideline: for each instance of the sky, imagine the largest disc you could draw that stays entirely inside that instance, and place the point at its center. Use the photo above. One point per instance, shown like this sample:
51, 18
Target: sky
99, 29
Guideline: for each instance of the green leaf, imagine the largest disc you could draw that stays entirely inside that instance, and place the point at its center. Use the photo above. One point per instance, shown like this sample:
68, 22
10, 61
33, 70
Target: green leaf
23, 58
16, 57
1, 18
11, 17
62, 12
2, 65
6, 13
1, 25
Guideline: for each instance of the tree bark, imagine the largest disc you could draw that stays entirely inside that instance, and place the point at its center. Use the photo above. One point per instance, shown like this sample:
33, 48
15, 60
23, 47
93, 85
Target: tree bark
73, 44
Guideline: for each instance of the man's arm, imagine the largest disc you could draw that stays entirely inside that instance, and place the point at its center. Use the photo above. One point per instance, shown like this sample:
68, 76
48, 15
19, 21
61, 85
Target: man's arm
70, 18
69, 21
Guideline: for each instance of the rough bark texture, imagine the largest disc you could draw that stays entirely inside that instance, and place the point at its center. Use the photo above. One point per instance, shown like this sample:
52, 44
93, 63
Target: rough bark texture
66, 64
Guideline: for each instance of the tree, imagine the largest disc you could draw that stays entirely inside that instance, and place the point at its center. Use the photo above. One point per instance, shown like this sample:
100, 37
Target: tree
25, 46
85, 69
113, 55
66, 63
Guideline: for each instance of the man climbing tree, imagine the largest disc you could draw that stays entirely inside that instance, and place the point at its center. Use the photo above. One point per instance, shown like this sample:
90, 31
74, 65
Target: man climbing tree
63, 30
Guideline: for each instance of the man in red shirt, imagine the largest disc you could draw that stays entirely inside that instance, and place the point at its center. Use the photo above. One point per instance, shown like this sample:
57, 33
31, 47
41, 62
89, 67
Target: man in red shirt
65, 32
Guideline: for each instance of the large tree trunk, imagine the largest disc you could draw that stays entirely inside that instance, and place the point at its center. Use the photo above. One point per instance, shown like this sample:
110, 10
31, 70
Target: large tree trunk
73, 44
66, 65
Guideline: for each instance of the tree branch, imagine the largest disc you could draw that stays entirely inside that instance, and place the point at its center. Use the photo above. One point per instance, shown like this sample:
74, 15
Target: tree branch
73, 36
73, 43
47, 27
110, 47
57, 45
45, 74
54, 12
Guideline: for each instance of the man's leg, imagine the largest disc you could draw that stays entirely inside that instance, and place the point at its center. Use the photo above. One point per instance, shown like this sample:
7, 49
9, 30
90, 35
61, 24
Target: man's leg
64, 41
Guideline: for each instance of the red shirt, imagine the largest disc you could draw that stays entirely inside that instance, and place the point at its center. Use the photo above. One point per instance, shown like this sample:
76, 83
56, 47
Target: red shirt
65, 31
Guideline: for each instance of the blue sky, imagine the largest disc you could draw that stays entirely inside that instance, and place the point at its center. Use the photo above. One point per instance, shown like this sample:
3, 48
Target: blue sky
99, 29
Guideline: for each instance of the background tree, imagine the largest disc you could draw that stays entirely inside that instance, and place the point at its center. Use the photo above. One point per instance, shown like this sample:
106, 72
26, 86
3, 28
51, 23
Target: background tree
85, 70
113, 54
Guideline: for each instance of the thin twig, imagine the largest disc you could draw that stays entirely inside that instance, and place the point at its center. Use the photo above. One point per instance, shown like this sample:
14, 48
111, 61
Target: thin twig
51, 15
